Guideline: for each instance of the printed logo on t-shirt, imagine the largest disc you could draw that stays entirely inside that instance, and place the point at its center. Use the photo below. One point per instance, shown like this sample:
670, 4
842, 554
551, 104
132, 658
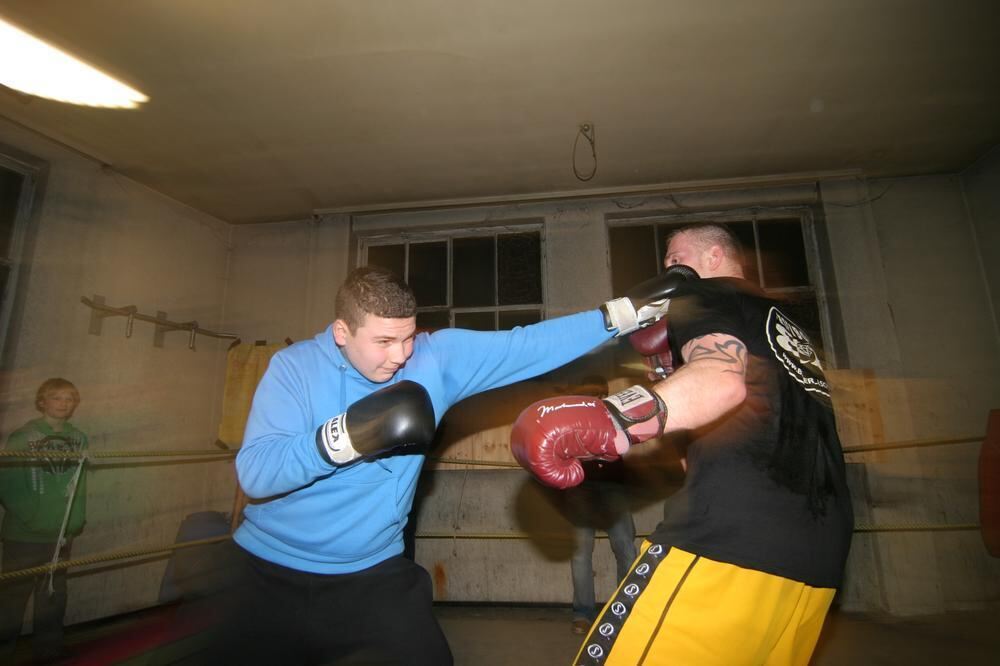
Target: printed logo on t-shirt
796, 354
56, 444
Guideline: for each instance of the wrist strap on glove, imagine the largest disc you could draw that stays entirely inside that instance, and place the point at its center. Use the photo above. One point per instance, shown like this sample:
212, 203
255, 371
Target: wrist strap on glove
641, 413
335, 442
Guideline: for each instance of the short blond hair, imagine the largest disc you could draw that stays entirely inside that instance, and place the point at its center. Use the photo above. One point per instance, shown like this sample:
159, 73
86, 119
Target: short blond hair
52, 385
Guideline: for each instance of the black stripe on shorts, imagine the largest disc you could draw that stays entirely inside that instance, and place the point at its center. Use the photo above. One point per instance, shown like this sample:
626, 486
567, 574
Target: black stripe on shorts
608, 626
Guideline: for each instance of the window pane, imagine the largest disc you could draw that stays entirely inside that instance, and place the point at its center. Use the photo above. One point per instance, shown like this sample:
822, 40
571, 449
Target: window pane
520, 268
634, 256
473, 273
476, 321
432, 320
10, 194
392, 257
663, 231
4, 273
744, 234
511, 318
784, 253
429, 273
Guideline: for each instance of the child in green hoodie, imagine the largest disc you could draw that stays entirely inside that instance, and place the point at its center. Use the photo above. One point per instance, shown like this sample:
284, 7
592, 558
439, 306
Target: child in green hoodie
35, 493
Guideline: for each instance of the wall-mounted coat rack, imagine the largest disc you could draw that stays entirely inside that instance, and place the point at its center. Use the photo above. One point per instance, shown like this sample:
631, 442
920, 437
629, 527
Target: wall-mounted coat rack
131, 313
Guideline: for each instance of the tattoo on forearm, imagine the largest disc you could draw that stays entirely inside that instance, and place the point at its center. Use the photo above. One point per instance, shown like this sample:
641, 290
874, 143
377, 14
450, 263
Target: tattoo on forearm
730, 351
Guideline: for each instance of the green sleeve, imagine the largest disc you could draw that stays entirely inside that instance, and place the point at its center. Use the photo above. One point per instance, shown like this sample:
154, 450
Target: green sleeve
15, 478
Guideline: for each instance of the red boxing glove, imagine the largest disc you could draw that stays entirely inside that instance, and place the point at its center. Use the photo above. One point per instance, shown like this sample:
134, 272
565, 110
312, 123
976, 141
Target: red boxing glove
550, 437
653, 343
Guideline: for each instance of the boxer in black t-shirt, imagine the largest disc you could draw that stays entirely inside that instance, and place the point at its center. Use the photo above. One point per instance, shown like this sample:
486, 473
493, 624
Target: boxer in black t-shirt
745, 564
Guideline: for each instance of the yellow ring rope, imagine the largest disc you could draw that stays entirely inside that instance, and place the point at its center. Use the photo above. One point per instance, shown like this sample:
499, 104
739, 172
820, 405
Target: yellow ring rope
90, 454
494, 536
107, 557
218, 453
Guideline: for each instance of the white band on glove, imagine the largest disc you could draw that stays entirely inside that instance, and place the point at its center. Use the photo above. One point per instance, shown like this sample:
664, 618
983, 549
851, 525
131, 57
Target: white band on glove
624, 317
336, 441
640, 412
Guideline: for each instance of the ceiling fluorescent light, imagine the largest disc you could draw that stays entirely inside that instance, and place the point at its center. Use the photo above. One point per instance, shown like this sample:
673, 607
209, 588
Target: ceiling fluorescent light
30, 65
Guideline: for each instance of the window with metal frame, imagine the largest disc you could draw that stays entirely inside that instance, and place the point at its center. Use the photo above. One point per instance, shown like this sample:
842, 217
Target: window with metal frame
17, 191
483, 279
779, 254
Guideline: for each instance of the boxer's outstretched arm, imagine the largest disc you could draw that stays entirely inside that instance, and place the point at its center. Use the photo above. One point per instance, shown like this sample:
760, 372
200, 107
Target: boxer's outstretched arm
475, 361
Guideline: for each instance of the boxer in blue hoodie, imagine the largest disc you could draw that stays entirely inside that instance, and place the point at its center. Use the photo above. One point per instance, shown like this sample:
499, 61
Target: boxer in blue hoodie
333, 448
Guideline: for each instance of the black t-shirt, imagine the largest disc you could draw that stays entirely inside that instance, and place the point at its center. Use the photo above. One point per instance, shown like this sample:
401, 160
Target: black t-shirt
765, 486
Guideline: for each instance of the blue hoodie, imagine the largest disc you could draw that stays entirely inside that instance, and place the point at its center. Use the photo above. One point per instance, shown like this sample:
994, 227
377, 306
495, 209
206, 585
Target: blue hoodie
317, 517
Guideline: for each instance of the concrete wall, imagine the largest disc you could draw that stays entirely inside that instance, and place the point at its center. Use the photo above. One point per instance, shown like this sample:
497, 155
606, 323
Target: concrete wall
937, 295
100, 233
284, 277
981, 186
917, 312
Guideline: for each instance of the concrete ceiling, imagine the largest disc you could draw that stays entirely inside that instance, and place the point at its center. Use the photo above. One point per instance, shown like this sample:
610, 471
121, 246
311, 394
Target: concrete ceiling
276, 109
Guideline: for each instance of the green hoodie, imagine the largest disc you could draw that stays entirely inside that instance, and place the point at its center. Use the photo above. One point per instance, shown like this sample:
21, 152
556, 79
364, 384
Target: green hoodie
34, 491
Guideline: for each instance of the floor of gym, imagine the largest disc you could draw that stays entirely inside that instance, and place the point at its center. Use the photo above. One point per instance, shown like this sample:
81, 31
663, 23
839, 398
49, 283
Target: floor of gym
537, 636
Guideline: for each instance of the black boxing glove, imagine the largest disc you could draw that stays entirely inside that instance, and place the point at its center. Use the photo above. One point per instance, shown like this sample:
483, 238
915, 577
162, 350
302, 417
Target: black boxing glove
398, 415
646, 302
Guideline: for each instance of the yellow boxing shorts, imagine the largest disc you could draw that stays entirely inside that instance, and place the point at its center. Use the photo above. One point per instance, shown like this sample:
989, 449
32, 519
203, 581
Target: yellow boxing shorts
682, 609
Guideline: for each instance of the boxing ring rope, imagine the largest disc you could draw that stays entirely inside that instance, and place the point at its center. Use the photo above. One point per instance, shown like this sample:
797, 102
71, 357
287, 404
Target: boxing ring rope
912, 444
215, 454
482, 463
502, 536
179, 453
109, 557
211, 455
482, 536
74, 455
